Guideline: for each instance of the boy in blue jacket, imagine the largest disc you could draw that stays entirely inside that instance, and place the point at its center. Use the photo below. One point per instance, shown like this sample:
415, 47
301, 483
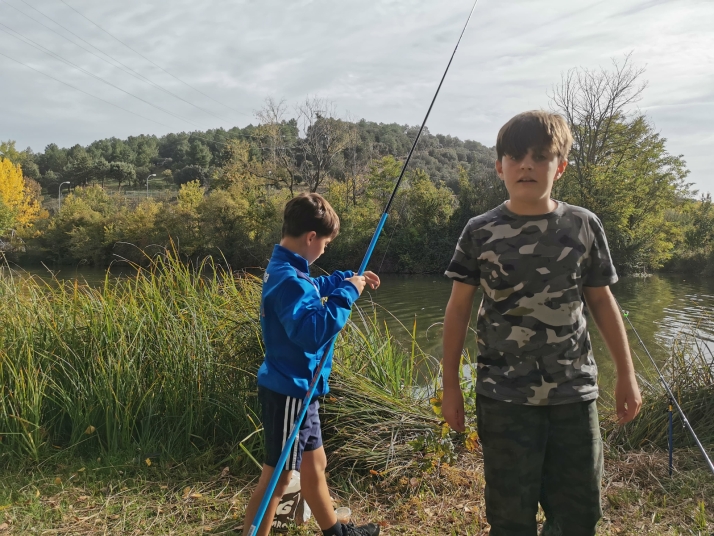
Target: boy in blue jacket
300, 316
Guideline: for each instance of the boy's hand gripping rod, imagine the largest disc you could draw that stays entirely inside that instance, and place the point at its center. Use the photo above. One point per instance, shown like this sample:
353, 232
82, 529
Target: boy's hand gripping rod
313, 384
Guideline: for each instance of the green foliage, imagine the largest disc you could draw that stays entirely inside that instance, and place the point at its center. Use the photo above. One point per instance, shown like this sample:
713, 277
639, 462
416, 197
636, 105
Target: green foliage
164, 361
690, 375
632, 188
190, 174
7, 217
121, 172
25, 159
78, 233
620, 169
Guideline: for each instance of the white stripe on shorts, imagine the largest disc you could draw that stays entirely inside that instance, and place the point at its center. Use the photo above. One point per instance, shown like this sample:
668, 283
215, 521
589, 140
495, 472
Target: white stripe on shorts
297, 439
290, 417
285, 422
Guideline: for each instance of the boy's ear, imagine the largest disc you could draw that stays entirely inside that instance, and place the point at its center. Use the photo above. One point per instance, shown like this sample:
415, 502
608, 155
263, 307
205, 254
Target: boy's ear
499, 169
310, 236
561, 169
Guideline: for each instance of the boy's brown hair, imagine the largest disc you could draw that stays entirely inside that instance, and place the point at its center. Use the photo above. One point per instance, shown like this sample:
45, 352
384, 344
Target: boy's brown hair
310, 212
537, 130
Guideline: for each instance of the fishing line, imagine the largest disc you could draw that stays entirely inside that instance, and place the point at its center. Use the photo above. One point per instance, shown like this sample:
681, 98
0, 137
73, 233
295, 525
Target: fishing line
287, 448
672, 399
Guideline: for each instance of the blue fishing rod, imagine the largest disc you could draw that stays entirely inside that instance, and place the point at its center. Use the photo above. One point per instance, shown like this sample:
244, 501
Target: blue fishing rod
313, 384
672, 402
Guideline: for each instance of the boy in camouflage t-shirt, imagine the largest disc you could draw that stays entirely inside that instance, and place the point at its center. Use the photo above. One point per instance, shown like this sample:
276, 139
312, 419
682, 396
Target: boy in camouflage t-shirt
536, 259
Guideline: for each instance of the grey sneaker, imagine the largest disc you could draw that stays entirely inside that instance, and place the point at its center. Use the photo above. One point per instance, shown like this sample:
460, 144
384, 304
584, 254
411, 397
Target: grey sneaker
370, 529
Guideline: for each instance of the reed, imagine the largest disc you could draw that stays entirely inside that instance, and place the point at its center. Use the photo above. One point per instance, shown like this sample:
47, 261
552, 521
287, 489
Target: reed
163, 361
689, 372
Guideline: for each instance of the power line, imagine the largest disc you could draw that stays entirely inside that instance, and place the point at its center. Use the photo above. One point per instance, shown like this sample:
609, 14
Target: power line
82, 91
122, 66
36, 45
150, 61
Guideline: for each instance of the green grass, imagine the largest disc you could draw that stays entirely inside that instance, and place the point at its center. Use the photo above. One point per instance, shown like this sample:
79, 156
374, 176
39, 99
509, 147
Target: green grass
690, 375
161, 362
165, 362
114, 401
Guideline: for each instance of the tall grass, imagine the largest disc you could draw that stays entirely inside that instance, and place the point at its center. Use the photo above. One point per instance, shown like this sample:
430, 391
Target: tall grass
690, 375
380, 391
163, 361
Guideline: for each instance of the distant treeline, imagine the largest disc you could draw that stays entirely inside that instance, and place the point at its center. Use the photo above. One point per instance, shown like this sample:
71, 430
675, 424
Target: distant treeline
223, 190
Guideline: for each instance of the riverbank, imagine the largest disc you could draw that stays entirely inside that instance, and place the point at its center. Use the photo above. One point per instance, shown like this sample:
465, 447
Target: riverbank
201, 495
130, 408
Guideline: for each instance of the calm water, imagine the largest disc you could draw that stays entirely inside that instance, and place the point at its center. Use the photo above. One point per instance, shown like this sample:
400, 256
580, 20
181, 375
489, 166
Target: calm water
660, 307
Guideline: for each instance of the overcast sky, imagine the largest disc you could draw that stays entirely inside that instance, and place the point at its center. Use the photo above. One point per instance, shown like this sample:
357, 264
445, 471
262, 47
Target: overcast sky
380, 60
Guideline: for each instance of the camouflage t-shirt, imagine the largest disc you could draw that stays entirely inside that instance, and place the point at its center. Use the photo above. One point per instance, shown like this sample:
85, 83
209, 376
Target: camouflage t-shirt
533, 342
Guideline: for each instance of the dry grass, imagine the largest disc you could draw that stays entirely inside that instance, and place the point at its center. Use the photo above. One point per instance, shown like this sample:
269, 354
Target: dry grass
202, 498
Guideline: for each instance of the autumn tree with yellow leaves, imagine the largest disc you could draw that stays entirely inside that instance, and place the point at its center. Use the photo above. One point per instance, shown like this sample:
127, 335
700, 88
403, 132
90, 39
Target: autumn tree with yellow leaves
18, 207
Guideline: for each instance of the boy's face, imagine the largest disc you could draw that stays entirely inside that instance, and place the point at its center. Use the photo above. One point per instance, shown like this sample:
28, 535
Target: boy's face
315, 246
531, 178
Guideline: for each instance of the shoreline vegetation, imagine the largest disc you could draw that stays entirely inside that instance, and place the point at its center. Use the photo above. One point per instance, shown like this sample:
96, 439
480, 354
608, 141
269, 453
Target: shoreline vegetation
131, 409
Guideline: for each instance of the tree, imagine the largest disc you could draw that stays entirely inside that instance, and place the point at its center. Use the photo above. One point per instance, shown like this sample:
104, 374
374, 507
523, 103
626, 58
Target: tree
167, 176
8, 150
239, 167
25, 159
81, 169
324, 139
101, 169
122, 152
479, 190
199, 154
53, 159
190, 174
279, 139
7, 218
121, 172
78, 233
19, 208
619, 166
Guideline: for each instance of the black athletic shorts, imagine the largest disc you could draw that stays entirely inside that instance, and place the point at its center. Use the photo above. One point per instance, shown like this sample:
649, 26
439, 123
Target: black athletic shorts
279, 412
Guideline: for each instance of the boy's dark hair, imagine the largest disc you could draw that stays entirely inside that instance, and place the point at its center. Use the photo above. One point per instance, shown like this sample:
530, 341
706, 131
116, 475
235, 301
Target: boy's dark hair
310, 212
537, 130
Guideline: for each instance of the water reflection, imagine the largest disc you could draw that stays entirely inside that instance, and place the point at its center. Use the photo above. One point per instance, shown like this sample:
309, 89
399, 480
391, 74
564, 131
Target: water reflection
660, 307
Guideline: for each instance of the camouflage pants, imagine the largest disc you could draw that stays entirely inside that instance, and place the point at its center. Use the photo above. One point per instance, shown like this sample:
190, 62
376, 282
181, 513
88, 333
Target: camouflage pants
550, 455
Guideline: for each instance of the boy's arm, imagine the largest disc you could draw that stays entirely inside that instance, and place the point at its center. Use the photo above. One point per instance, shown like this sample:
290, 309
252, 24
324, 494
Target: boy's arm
308, 322
456, 323
328, 283
607, 317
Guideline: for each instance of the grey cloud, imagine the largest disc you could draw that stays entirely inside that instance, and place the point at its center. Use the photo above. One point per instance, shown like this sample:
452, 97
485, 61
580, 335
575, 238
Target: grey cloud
377, 59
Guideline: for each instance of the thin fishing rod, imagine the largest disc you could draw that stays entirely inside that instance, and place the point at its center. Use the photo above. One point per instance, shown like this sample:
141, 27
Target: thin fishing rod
287, 448
383, 219
672, 399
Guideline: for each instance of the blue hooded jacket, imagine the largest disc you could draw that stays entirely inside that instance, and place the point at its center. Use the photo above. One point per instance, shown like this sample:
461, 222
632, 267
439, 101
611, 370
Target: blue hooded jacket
297, 326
